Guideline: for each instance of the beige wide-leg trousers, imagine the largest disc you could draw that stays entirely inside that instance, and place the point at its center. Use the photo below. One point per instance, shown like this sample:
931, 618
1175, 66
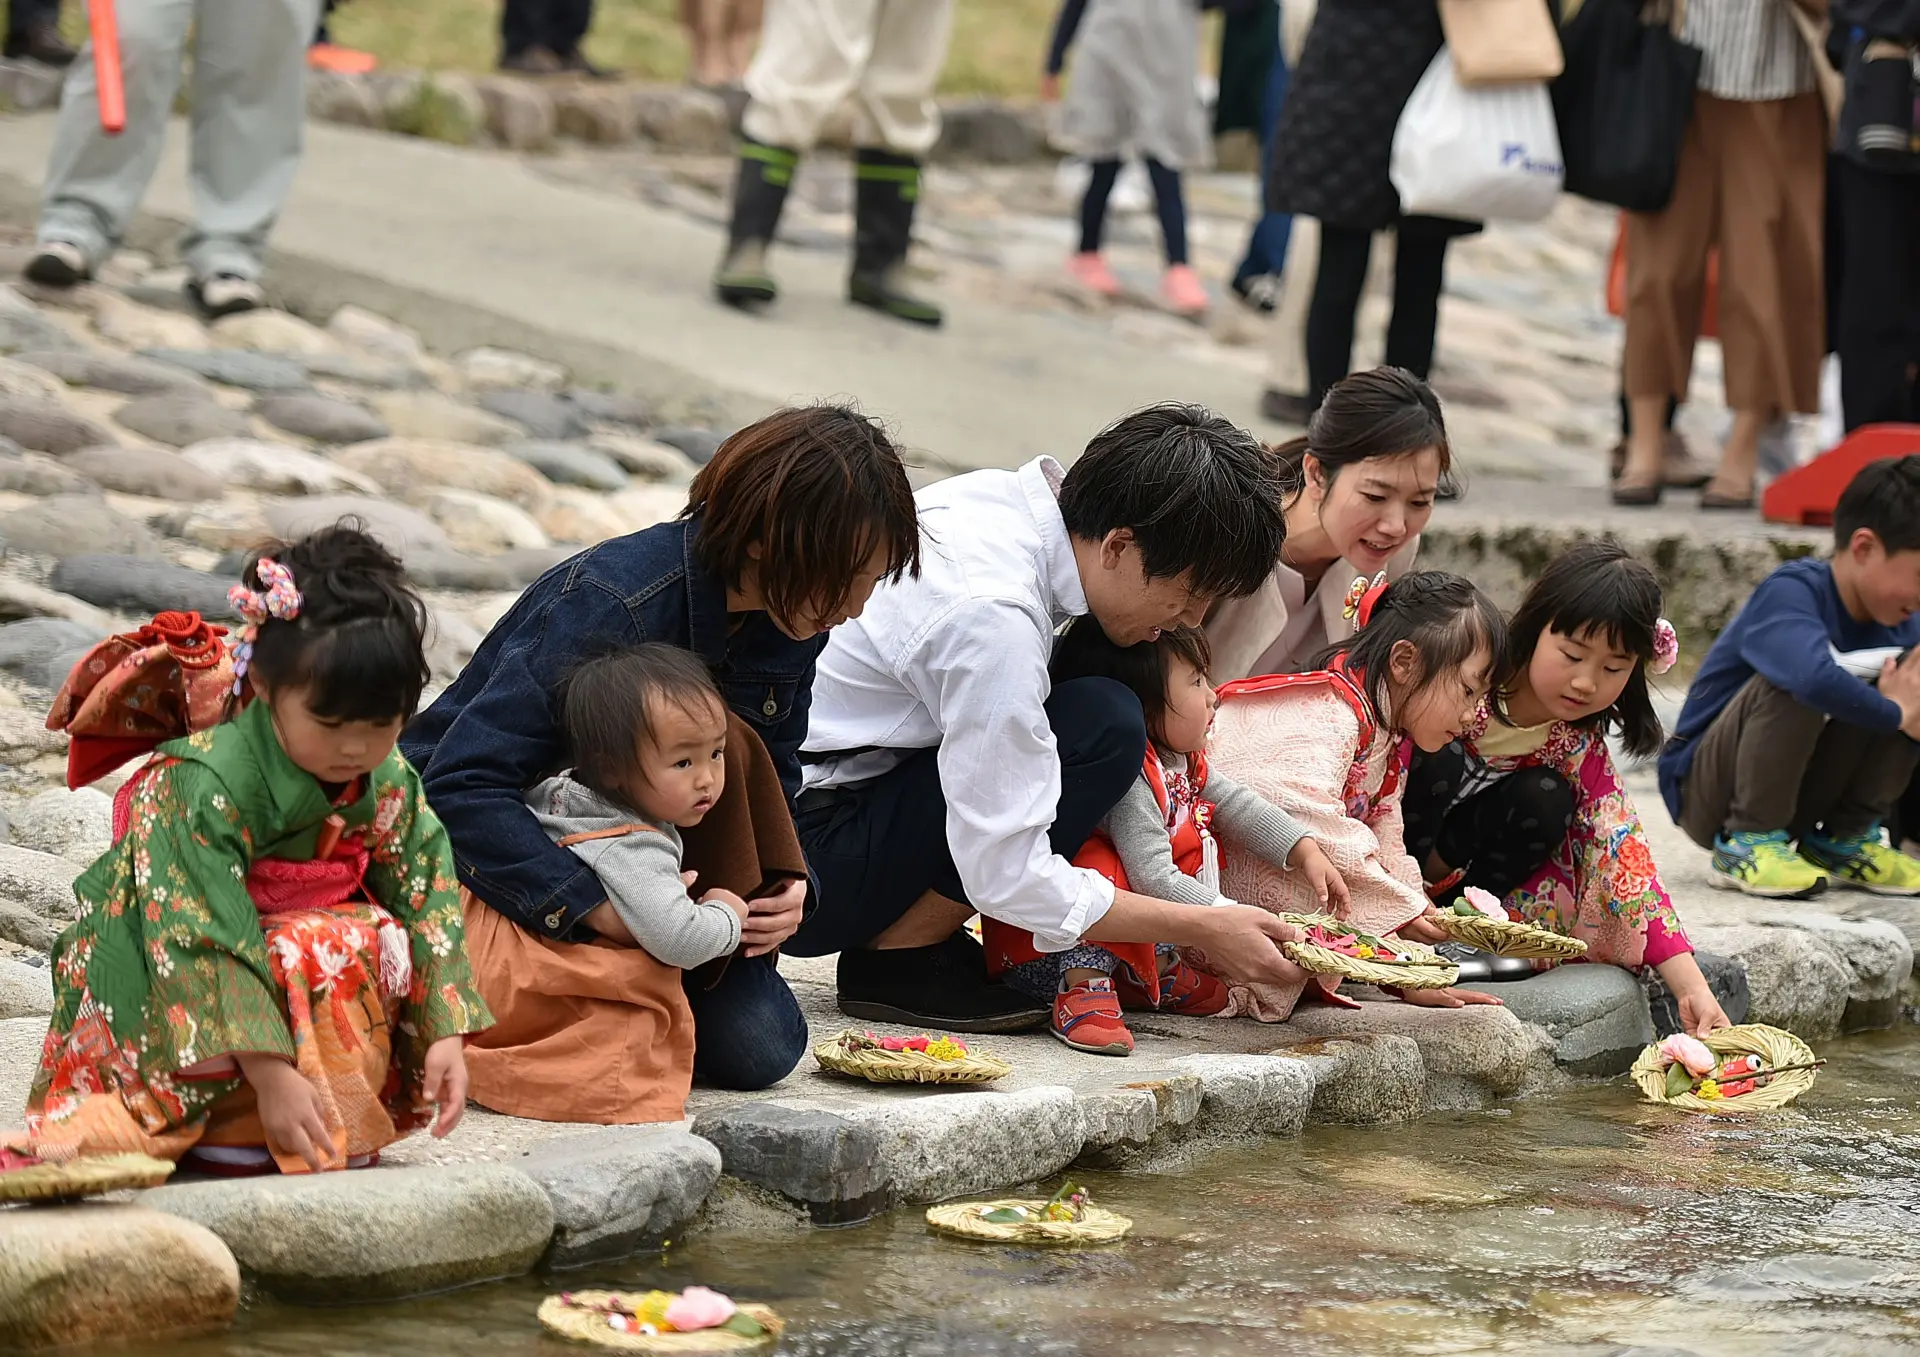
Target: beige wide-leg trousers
814, 55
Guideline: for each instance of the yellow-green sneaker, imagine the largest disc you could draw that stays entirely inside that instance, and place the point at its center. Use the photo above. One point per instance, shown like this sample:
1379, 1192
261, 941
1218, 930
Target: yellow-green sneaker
1764, 865
1866, 863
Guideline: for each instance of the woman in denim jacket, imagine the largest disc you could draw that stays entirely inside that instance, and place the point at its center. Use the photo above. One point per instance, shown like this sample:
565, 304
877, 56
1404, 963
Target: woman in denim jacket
785, 535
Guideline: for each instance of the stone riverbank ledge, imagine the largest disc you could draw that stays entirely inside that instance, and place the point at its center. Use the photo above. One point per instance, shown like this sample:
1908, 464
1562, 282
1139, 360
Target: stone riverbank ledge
504, 1196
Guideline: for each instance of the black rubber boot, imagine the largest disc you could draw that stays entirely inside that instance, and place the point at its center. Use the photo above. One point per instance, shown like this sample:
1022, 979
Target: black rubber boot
766, 172
886, 188
943, 987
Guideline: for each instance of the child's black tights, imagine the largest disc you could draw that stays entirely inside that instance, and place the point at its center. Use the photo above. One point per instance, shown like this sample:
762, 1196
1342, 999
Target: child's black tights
1499, 836
1167, 201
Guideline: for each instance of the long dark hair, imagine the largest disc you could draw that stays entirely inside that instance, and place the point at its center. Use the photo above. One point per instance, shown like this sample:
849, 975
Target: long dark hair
1595, 587
1384, 412
1444, 617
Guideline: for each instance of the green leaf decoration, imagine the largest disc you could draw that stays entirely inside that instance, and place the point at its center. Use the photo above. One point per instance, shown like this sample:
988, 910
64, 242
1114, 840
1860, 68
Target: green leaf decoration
1002, 1215
1463, 909
1678, 1080
745, 1325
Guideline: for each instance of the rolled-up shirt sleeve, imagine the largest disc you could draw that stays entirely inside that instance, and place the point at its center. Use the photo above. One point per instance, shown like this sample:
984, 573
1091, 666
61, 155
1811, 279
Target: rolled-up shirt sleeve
981, 671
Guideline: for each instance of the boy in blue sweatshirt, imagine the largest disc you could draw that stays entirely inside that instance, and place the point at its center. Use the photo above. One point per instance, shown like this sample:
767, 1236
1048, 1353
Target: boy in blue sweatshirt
1784, 763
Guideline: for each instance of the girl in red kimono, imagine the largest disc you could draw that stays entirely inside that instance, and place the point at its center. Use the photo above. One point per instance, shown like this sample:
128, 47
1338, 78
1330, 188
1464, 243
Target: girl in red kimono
1159, 841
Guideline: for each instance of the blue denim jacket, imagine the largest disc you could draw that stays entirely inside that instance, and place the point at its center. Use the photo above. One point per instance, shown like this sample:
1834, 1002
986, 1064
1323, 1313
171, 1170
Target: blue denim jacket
496, 731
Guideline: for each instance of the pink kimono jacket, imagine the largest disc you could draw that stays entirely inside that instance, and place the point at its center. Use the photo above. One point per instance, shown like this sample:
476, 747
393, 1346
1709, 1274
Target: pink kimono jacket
1296, 741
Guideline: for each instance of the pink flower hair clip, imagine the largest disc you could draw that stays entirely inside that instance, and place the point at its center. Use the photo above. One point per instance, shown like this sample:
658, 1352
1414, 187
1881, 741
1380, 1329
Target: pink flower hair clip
1666, 647
280, 600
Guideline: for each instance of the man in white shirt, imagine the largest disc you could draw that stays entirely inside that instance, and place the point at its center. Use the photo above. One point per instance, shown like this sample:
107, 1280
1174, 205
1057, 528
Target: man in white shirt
947, 777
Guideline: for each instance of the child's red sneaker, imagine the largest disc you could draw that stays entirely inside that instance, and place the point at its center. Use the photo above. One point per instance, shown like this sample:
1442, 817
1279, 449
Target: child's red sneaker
1183, 990
1087, 1018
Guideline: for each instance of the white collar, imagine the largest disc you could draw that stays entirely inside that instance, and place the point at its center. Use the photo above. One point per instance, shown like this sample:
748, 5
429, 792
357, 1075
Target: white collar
1040, 480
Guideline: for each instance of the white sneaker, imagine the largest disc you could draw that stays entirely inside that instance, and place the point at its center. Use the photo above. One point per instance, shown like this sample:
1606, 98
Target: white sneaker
226, 293
58, 263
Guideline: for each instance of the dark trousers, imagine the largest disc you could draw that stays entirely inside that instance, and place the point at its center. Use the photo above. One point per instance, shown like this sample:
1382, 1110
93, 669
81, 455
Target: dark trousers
1879, 330
557, 25
1768, 764
1267, 246
1419, 262
1169, 202
877, 848
747, 1028
1499, 836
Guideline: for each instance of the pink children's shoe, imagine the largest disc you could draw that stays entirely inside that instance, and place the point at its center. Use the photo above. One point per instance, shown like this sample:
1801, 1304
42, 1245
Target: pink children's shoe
1182, 291
1091, 272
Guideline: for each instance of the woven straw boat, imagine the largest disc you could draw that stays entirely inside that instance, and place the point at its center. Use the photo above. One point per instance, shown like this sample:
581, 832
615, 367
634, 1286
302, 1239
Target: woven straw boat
575, 1316
1507, 937
1432, 971
962, 1220
86, 1177
1769, 1043
909, 1067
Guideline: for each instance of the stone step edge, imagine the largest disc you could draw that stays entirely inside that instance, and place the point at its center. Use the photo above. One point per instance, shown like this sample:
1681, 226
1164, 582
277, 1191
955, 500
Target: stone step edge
533, 115
839, 1163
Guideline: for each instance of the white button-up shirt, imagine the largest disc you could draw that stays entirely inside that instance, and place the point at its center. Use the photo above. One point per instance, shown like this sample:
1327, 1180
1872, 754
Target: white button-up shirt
958, 659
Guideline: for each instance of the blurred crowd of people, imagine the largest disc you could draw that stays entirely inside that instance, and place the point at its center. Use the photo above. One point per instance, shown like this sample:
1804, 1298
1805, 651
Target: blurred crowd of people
1792, 232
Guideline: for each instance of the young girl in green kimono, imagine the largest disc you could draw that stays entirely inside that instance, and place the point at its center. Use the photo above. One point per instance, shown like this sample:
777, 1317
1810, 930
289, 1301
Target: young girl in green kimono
268, 967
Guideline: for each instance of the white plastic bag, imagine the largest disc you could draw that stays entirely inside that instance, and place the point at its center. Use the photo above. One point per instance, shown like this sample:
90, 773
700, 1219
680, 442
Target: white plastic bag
1490, 153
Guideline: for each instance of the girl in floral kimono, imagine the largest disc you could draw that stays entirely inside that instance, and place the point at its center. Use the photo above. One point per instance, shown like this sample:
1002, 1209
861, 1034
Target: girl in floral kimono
1529, 805
267, 969
1329, 748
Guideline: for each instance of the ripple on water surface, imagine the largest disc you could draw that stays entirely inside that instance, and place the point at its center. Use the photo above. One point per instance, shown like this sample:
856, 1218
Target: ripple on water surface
1578, 1225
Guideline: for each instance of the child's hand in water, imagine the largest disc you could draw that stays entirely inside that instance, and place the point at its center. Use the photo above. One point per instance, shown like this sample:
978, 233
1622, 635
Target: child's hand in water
445, 1083
1329, 887
291, 1112
1700, 1012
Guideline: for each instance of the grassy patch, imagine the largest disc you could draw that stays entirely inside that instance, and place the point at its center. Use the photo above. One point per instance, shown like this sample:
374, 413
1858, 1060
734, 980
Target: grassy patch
998, 45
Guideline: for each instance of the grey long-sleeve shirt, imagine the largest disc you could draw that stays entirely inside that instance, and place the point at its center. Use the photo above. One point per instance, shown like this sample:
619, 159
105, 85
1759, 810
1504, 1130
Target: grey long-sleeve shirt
640, 872
1138, 829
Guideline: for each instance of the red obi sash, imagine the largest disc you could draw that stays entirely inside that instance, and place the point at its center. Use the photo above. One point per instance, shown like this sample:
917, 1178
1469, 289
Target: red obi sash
334, 875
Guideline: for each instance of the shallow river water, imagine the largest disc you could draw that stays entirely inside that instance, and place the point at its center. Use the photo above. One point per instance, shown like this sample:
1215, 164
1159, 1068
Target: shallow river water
1586, 1223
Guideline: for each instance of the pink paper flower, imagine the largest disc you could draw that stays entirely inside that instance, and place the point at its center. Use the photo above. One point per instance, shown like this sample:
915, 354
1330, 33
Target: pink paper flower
1689, 1051
1485, 903
1666, 647
699, 1308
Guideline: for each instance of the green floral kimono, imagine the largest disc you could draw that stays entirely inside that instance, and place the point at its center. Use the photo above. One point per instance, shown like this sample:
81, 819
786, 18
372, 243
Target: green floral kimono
240, 911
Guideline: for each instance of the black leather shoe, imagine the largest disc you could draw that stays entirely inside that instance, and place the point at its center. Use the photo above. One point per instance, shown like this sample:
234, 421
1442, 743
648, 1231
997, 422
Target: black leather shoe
1474, 964
943, 988
1283, 407
41, 43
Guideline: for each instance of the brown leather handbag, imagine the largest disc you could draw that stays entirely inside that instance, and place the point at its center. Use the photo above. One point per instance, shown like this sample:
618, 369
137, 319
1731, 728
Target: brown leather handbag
1501, 42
